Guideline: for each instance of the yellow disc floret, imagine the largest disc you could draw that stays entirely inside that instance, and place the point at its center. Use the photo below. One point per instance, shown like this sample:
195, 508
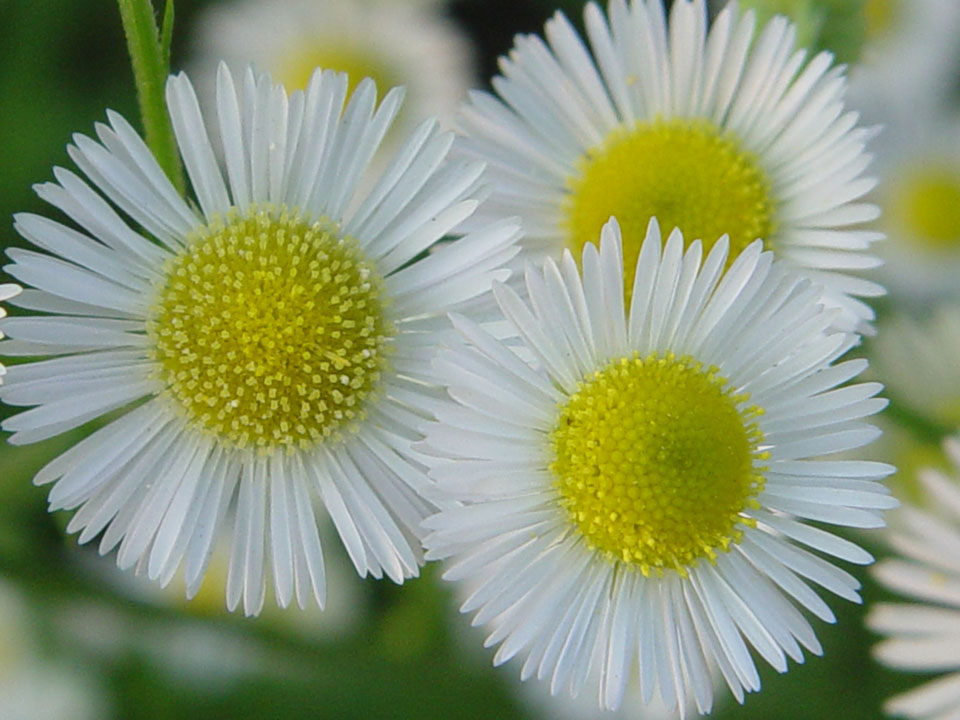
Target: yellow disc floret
685, 172
656, 461
926, 206
269, 331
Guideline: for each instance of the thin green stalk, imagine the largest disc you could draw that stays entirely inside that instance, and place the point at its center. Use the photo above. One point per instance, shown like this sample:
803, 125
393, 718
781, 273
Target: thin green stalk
150, 57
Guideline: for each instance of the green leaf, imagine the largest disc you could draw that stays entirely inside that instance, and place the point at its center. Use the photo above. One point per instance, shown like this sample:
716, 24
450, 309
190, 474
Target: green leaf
166, 35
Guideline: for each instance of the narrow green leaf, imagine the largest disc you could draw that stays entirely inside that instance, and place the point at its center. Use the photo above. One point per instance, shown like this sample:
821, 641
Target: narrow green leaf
166, 35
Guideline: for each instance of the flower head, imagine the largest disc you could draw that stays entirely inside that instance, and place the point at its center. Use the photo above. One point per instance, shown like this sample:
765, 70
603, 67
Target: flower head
907, 63
265, 345
639, 491
920, 161
755, 143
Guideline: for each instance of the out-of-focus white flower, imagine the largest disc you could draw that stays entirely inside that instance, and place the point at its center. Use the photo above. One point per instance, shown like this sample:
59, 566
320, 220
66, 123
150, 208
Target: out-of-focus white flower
34, 686
924, 635
395, 42
919, 162
909, 60
906, 82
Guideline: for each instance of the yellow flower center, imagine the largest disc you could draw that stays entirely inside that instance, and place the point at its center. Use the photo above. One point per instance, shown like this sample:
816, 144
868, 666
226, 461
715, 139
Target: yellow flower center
685, 172
295, 69
880, 17
269, 331
926, 206
655, 461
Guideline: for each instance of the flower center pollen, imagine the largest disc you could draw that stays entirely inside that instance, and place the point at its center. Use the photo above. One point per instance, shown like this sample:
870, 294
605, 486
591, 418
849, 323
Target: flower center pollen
270, 331
655, 461
684, 172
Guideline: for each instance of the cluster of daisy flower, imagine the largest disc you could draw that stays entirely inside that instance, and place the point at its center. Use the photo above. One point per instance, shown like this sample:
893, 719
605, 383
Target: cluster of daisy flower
589, 350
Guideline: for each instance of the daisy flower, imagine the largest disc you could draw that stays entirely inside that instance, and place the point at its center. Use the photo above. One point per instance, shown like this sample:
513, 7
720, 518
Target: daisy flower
906, 82
633, 507
392, 42
7, 291
924, 635
920, 195
755, 143
255, 349
909, 59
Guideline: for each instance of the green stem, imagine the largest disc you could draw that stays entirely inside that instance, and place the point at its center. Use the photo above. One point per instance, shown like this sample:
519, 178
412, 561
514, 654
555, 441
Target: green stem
150, 57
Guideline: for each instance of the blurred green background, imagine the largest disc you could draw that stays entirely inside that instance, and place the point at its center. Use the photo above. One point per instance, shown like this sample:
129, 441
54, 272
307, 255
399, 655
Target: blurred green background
80, 640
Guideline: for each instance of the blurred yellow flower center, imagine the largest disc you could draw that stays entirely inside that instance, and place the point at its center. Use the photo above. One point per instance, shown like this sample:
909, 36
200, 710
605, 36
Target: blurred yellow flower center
685, 172
270, 331
926, 204
295, 69
880, 16
654, 461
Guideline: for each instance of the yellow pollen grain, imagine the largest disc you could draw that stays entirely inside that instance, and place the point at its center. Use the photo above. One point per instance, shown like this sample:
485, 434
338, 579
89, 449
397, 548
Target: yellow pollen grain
270, 331
656, 459
926, 206
685, 172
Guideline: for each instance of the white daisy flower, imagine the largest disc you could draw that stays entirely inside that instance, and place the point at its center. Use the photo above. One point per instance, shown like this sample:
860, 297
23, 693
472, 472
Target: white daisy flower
394, 43
917, 360
266, 346
906, 83
755, 143
7, 291
924, 636
920, 195
635, 510
909, 61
